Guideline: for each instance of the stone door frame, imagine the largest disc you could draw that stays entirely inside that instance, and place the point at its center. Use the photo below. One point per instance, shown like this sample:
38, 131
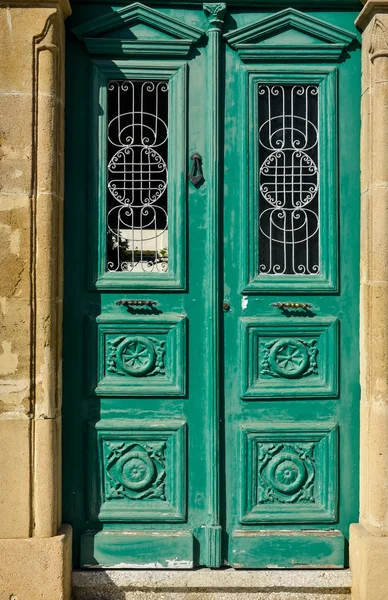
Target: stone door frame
35, 547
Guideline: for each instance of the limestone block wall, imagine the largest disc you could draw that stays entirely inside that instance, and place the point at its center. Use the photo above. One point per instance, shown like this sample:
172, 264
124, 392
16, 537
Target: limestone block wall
369, 538
31, 208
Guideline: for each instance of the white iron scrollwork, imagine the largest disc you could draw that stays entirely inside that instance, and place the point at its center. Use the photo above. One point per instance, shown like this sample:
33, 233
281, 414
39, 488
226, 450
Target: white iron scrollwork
289, 179
137, 220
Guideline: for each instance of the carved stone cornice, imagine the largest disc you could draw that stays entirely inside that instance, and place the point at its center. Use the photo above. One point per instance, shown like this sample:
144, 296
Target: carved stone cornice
64, 5
371, 8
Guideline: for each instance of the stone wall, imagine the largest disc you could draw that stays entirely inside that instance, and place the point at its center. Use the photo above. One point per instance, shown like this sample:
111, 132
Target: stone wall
35, 561
369, 538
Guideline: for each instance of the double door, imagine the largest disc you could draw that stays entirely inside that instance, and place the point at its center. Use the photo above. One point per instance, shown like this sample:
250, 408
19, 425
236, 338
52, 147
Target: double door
211, 286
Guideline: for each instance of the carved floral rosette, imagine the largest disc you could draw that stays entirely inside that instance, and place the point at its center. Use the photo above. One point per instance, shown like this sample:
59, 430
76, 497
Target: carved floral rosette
286, 473
135, 470
136, 356
289, 358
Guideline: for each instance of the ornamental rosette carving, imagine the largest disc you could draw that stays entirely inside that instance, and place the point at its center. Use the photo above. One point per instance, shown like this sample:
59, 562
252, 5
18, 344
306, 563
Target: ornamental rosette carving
134, 470
289, 358
286, 473
136, 356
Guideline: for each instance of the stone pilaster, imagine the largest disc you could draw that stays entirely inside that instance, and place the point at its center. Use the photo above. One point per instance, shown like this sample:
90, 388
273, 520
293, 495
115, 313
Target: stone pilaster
35, 552
369, 538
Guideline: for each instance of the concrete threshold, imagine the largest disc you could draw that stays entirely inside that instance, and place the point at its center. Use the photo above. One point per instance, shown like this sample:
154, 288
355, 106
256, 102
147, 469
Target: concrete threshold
208, 584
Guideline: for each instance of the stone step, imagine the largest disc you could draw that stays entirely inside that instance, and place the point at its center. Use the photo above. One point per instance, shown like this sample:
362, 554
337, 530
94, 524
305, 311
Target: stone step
208, 584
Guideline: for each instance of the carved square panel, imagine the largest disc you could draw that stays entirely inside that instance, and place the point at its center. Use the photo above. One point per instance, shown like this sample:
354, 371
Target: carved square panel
141, 356
290, 474
141, 473
289, 358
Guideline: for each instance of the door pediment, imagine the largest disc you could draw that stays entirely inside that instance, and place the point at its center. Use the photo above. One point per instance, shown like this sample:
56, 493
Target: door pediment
139, 30
290, 35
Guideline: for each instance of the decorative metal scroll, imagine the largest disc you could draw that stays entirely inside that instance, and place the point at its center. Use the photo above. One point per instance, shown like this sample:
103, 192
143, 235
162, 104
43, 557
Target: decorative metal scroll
137, 176
289, 180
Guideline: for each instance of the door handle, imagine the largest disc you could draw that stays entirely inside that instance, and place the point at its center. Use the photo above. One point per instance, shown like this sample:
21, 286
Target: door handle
136, 302
281, 305
196, 174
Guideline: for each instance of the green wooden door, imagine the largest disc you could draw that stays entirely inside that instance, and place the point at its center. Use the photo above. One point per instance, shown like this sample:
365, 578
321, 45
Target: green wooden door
211, 286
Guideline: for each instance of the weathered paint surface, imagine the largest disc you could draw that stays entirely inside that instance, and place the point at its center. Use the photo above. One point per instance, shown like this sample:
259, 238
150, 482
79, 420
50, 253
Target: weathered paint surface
211, 427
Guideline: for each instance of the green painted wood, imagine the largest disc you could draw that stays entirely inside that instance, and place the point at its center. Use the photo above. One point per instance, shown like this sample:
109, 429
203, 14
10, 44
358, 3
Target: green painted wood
175, 465
138, 48
326, 77
287, 550
288, 22
115, 422
166, 374
162, 448
261, 377
176, 74
133, 14
181, 36
138, 550
306, 417
215, 14
314, 496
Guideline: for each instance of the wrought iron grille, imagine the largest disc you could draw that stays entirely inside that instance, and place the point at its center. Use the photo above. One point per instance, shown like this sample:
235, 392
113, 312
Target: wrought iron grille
289, 228
137, 176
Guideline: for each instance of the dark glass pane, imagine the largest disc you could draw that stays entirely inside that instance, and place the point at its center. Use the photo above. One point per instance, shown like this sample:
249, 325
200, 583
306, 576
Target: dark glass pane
137, 237
288, 179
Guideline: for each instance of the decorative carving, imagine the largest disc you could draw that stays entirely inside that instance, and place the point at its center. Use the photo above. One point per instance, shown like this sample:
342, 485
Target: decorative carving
289, 204
99, 37
137, 176
136, 356
286, 473
215, 14
289, 357
141, 470
290, 473
319, 39
379, 40
135, 470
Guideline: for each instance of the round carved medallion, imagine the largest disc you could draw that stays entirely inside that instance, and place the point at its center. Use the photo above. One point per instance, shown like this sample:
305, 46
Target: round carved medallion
288, 357
286, 473
136, 356
138, 471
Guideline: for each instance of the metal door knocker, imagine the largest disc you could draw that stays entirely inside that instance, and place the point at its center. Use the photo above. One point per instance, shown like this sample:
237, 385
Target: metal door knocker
196, 175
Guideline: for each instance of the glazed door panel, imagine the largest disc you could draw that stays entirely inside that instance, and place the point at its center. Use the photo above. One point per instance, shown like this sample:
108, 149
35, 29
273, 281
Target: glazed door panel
291, 262
211, 286
138, 476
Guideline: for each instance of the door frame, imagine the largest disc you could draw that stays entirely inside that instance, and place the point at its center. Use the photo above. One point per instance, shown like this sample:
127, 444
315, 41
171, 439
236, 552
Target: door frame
367, 537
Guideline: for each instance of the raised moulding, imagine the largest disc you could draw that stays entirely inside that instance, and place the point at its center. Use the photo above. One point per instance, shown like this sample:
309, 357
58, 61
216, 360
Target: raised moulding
290, 35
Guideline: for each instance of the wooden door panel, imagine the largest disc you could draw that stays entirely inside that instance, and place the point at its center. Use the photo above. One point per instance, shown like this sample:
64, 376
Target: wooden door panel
196, 437
138, 487
289, 357
291, 280
131, 461
140, 355
167, 549
290, 473
287, 550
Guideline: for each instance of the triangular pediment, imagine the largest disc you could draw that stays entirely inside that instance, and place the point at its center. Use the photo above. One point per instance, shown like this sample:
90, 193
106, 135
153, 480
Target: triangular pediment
290, 33
290, 36
136, 29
